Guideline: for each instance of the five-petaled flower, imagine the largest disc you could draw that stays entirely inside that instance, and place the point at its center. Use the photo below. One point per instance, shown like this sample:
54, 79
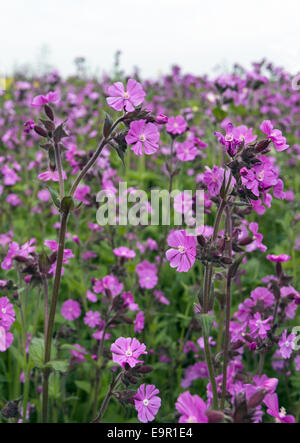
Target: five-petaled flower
127, 350
120, 99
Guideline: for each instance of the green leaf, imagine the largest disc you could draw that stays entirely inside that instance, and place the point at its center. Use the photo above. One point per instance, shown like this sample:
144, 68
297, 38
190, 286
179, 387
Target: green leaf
206, 321
54, 386
36, 351
219, 114
54, 195
83, 385
107, 124
58, 365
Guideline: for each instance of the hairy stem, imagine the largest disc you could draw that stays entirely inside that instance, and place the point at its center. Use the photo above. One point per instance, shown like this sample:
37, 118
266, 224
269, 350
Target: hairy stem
108, 396
55, 293
228, 231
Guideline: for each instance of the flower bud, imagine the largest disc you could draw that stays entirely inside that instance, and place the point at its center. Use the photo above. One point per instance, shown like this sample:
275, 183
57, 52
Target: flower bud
256, 398
161, 119
40, 131
49, 112
214, 416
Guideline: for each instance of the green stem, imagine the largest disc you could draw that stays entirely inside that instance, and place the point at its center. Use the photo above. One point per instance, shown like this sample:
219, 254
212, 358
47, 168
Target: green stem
55, 294
211, 372
104, 405
228, 306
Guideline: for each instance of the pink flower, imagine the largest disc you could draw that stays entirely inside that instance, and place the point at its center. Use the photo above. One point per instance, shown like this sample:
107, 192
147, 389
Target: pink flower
139, 322
161, 119
147, 273
282, 258
120, 99
78, 354
186, 151
108, 283
271, 401
10, 176
127, 350
6, 339
14, 200
275, 135
28, 126
257, 239
286, 345
143, 136
129, 301
176, 125
40, 100
7, 313
146, 402
71, 309
81, 192
91, 296
122, 251
183, 253
50, 175
259, 327
192, 408
213, 179
160, 296
44, 195
92, 319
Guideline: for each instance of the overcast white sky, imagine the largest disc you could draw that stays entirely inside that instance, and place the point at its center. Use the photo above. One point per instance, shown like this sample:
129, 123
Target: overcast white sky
152, 34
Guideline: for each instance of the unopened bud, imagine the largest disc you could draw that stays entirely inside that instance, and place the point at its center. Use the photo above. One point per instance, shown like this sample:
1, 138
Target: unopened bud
49, 112
40, 131
256, 398
214, 416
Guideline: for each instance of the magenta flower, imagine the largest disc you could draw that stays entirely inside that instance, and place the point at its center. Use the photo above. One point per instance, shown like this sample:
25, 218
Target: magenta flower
92, 319
122, 251
271, 401
129, 301
120, 99
91, 296
146, 402
78, 353
108, 283
143, 136
262, 295
51, 175
213, 179
161, 119
81, 192
28, 126
7, 313
286, 345
44, 195
256, 239
127, 350
6, 339
160, 296
275, 135
139, 322
259, 327
40, 100
71, 309
282, 258
147, 273
183, 253
192, 408
186, 151
176, 125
